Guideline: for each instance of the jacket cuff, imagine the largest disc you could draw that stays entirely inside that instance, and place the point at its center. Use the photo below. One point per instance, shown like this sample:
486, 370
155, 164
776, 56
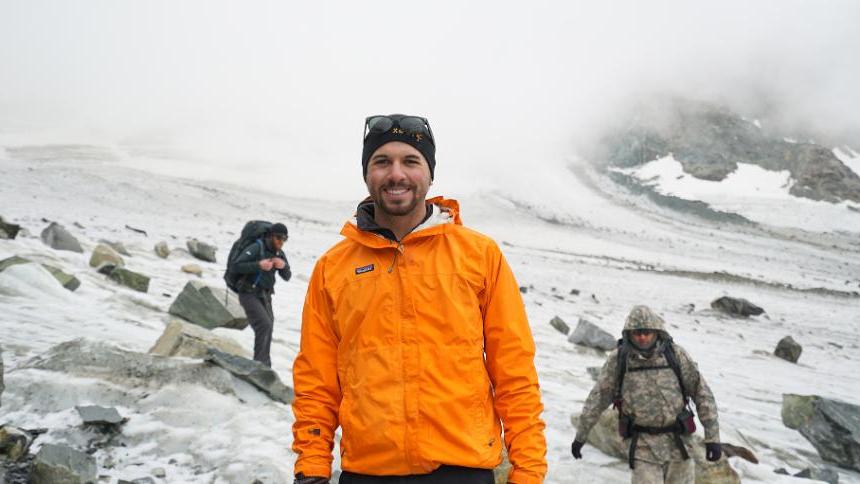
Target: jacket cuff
520, 476
311, 470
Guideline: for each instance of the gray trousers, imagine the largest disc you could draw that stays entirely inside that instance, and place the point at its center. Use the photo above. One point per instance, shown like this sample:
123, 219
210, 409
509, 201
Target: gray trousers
258, 309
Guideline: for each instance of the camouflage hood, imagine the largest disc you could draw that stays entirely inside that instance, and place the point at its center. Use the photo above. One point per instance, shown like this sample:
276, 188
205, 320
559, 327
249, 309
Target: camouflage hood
642, 317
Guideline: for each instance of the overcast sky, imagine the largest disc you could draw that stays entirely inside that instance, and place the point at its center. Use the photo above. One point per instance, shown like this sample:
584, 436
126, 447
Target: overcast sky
284, 87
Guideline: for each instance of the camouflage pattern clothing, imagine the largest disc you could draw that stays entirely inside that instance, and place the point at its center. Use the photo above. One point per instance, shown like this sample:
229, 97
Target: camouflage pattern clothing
671, 472
652, 398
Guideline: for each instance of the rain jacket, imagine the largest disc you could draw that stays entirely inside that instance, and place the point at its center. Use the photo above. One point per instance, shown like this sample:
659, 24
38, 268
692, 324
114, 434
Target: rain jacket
417, 349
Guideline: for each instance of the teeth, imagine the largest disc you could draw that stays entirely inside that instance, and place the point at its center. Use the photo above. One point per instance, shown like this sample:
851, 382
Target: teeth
396, 191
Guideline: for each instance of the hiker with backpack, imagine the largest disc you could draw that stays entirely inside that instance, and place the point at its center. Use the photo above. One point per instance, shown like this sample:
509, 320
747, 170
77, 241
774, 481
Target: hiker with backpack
251, 268
650, 380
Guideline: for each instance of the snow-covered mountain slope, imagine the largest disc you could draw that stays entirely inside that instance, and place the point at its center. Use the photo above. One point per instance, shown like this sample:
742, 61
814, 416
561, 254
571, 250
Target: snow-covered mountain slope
563, 229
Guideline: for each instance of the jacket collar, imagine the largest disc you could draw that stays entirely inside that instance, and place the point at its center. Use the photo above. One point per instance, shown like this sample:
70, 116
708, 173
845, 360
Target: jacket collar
441, 213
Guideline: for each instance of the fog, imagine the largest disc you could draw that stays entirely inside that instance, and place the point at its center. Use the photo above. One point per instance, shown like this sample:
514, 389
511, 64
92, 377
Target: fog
274, 94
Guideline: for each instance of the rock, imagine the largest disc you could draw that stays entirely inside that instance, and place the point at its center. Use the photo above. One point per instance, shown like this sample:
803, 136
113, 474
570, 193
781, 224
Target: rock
604, 437
201, 250
593, 372
831, 426
61, 464
205, 306
104, 255
524, 290
574, 292
730, 450
131, 279
119, 247
96, 415
825, 474
142, 480
57, 237
162, 250
781, 471
560, 325
192, 341
159, 472
589, 334
2, 385
14, 443
193, 269
255, 373
7, 230
736, 306
68, 281
788, 349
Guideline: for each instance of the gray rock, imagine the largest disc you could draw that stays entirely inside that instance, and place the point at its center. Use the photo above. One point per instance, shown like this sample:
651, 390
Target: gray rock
162, 250
736, 306
142, 480
103, 255
781, 471
60, 464
589, 334
192, 341
788, 349
593, 372
14, 443
2, 385
96, 415
192, 269
201, 250
119, 247
159, 472
825, 474
524, 290
831, 426
130, 279
205, 306
7, 230
560, 325
604, 437
255, 373
68, 281
57, 237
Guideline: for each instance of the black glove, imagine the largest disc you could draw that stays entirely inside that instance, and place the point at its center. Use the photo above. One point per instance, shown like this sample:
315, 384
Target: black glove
713, 451
576, 449
301, 479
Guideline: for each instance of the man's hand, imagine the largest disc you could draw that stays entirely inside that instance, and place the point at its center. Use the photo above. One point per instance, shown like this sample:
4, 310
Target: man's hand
301, 479
278, 262
266, 265
576, 449
713, 451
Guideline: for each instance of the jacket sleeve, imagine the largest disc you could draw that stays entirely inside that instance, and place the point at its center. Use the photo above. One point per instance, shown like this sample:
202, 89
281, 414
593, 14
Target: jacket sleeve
599, 398
700, 392
285, 273
247, 262
315, 381
510, 352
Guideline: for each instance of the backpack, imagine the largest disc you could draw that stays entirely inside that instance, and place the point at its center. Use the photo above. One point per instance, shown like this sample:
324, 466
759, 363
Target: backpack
253, 231
671, 362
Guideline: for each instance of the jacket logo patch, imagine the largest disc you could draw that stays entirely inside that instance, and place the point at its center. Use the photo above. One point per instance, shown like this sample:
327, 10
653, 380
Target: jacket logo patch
363, 269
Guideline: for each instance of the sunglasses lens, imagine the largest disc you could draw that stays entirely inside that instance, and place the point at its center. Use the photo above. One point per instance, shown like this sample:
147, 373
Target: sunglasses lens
379, 124
411, 123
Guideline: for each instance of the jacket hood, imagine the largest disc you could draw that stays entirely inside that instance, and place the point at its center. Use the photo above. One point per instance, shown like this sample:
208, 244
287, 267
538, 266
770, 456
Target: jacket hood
442, 213
642, 317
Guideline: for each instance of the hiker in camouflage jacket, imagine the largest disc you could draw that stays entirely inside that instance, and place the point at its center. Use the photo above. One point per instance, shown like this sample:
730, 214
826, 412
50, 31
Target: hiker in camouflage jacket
653, 399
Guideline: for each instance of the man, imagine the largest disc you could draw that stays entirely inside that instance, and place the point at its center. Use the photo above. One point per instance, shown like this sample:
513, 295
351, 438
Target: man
651, 378
258, 263
414, 338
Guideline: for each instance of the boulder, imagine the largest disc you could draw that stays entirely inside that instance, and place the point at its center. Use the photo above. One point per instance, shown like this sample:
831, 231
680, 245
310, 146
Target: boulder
788, 349
7, 230
255, 373
825, 474
56, 464
593, 372
192, 341
209, 307
57, 237
162, 250
831, 426
589, 334
2, 385
68, 281
141, 480
117, 246
97, 415
560, 325
104, 255
604, 437
130, 279
736, 306
201, 250
14, 443
193, 269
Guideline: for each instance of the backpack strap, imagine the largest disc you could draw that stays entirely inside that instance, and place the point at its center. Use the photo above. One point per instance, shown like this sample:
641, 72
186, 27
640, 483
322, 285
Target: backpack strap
620, 371
672, 361
259, 271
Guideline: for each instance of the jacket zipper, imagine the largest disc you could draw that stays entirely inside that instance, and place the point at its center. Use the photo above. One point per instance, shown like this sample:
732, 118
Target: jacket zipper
394, 262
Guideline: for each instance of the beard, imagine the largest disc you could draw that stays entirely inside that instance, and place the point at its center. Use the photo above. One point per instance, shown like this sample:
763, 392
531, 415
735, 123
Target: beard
401, 207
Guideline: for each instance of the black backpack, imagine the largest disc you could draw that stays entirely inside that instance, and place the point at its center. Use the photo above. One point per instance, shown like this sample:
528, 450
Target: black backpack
252, 231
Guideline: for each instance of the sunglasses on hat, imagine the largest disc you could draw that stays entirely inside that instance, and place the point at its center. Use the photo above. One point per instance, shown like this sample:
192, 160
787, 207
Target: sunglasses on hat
409, 124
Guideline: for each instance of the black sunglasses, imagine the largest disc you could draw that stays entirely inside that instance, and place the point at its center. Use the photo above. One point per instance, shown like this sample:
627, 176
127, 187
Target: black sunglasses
411, 124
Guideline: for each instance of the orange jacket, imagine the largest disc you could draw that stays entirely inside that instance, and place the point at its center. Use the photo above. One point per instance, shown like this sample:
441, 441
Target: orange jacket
416, 350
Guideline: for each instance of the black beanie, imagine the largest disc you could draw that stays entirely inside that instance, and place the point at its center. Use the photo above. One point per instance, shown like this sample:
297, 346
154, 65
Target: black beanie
278, 228
419, 141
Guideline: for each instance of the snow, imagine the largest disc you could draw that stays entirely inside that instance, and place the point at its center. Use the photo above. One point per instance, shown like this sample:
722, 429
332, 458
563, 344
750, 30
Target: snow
561, 228
850, 157
751, 191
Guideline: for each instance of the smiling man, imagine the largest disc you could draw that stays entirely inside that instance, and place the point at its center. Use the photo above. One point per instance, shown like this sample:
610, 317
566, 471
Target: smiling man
414, 338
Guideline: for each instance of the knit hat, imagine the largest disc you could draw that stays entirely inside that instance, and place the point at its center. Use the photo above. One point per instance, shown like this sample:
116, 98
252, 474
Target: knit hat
420, 141
278, 228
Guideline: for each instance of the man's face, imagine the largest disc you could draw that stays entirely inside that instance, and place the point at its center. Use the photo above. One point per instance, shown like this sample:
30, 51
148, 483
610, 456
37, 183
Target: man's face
277, 241
643, 338
398, 178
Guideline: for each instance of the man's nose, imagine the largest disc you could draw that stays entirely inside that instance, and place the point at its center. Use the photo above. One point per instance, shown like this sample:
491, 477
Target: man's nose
397, 170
